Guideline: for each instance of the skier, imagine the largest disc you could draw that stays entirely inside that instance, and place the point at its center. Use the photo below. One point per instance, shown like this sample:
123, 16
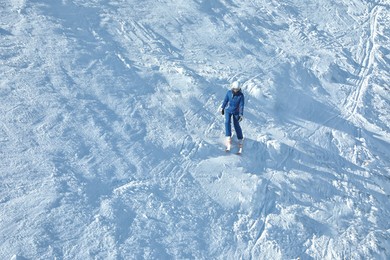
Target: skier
234, 104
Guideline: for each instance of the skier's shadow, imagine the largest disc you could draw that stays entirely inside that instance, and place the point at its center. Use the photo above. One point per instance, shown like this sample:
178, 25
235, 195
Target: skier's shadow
260, 156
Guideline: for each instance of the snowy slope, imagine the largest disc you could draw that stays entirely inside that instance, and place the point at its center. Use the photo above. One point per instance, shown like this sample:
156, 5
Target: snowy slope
111, 141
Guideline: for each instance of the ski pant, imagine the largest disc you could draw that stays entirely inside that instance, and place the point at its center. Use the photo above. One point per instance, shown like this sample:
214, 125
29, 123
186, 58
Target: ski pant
228, 125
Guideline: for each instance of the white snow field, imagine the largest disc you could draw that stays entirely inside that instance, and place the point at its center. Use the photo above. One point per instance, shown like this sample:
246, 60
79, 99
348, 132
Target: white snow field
111, 142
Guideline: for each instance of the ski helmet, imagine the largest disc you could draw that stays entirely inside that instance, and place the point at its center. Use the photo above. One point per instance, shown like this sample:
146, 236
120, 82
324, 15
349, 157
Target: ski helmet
235, 86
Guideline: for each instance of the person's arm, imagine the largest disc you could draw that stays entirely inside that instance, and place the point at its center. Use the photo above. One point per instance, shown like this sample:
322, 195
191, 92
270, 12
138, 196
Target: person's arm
242, 104
225, 101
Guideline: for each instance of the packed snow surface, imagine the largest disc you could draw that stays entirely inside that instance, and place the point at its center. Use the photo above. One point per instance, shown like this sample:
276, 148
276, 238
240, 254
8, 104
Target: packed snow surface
111, 142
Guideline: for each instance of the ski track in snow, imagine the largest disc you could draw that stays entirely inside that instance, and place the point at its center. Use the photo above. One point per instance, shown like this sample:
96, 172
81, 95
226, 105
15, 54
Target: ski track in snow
112, 143
369, 48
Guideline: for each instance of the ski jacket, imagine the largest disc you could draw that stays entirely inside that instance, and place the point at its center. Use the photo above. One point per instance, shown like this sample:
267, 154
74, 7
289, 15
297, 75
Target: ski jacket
234, 101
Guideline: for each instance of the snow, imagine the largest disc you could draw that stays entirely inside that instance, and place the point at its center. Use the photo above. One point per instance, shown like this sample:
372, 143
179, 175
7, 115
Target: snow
111, 143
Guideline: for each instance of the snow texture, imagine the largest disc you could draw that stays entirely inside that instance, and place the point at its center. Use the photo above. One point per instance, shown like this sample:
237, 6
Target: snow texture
111, 143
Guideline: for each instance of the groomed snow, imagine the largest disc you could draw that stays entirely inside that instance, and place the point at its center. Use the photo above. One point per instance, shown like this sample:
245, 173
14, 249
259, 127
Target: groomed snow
111, 143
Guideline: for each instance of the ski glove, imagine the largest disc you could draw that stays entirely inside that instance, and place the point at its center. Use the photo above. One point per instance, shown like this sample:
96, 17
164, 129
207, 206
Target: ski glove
240, 118
222, 111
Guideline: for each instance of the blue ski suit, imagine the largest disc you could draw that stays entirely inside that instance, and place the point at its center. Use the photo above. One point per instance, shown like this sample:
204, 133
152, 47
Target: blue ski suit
234, 104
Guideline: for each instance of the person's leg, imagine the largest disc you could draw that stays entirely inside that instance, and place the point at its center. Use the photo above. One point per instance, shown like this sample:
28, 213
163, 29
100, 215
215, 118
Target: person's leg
237, 127
228, 124
228, 130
